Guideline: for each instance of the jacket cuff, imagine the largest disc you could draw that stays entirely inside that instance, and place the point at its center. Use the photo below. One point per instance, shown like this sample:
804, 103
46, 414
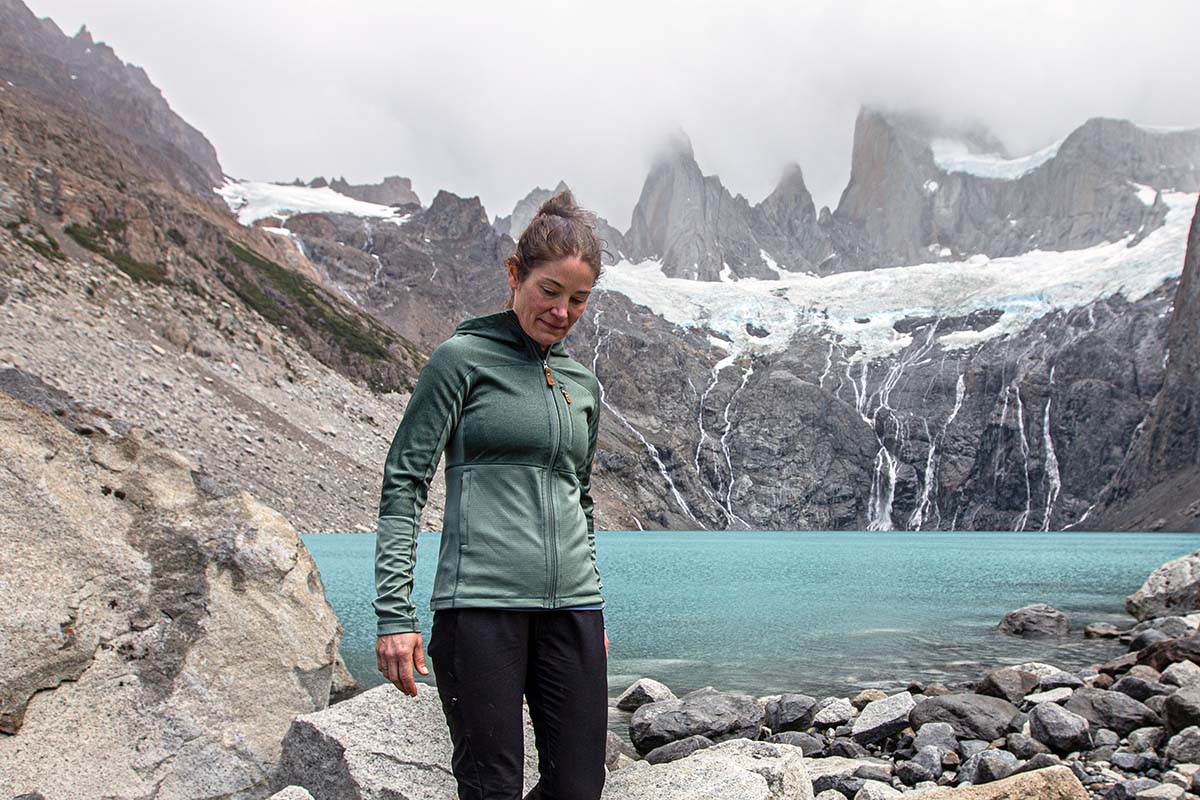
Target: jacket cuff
383, 628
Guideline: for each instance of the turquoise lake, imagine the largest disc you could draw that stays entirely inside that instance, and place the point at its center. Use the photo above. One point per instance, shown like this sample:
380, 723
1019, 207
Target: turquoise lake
815, 612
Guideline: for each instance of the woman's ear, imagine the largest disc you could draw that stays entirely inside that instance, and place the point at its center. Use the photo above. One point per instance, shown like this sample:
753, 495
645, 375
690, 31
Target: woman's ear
511, 272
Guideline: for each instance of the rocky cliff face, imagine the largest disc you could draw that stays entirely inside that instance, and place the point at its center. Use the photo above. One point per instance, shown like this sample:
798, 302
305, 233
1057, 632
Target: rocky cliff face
1158, 485
919, 192
391, 191
215, 338
158, 639
79, 74
691, 223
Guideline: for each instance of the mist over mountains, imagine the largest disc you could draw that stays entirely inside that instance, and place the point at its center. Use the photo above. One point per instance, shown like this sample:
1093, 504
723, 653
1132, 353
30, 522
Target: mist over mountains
971, 338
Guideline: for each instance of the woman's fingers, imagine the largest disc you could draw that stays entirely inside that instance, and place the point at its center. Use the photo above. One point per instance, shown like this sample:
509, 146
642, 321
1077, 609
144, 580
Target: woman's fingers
395, 654
419, 658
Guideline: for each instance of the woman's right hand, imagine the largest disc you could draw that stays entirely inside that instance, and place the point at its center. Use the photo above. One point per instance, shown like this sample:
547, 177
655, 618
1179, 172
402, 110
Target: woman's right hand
395, 655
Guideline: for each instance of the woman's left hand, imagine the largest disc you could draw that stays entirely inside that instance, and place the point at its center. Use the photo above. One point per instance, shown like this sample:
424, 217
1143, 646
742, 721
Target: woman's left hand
606, 642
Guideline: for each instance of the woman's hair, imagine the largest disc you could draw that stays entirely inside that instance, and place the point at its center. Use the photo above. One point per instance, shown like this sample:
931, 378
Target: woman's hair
559, 229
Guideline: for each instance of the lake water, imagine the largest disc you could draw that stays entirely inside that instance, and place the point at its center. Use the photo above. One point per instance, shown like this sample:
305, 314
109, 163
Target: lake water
815, 612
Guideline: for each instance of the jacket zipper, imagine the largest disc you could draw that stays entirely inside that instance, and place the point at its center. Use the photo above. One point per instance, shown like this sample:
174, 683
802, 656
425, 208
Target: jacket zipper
552, 527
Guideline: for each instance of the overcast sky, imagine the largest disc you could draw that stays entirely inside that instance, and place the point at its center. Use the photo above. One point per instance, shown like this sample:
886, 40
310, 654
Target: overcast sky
492, 99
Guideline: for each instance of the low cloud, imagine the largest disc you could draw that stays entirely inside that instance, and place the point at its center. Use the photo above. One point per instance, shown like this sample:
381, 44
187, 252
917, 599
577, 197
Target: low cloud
493, 99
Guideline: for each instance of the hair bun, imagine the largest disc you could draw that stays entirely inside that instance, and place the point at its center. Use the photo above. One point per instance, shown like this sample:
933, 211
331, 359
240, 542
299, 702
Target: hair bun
563, 205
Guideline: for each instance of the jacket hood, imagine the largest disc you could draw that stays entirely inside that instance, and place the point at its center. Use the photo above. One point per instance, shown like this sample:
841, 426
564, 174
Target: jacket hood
503, 326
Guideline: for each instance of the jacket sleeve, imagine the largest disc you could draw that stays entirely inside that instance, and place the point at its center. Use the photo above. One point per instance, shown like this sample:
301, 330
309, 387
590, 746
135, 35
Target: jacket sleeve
585, 480
428, 422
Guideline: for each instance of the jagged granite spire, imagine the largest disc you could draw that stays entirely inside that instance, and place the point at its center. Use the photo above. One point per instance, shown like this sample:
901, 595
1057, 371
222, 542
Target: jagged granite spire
1158, 485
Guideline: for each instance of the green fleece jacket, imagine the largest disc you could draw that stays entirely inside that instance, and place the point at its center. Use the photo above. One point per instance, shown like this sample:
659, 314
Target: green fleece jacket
518, 427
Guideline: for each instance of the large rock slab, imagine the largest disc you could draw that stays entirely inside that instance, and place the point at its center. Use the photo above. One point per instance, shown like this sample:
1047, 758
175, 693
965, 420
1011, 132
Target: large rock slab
734, 770
704, 712
156, 641
379, 745
1052, 783
1113, 710
1172, 589
971, 716
881, 718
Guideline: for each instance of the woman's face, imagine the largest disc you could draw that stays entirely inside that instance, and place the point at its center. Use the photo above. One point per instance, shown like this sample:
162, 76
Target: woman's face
552, 297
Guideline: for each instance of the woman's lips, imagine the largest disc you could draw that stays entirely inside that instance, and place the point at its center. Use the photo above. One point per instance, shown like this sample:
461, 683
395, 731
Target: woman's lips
551, 327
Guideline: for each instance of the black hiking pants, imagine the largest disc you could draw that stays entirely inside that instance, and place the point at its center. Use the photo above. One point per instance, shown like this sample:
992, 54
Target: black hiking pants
485, 660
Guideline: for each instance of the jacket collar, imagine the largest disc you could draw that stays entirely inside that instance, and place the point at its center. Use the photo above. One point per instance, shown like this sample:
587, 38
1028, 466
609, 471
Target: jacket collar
504, 326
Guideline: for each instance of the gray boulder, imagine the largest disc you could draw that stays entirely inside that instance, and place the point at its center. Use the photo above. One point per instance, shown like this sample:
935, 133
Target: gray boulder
157, 640
1061, 730
732, 770
1141, 689
673, 751
1101, 630
1059, 695
1024, 747
1182, 709
809, 745
881, 718
614, 748
988, 766
876, 790
1112, 710
1146, 638
1146, 740
377, 746
1008, 683
790, 712
839, 712
642, 691
936, 734
1037, 621
1182, 673
1184, 747
704, 712
1171, 589
971, 716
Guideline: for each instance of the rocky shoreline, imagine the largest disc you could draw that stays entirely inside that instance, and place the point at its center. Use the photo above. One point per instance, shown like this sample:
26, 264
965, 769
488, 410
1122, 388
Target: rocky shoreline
1127, 728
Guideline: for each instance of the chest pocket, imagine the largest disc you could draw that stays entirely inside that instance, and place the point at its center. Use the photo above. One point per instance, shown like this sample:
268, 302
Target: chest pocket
505, 418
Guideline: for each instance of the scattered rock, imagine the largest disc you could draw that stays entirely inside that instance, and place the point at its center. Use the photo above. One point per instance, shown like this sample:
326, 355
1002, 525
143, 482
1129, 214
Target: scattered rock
704, 712
732, 770
1183, 747
1182, 709
642, 691
883, 717
1112, 710
1008, 683
790, 712
1059, 729
839, 712
673, 751
1037, 621
972, 716
1101, 630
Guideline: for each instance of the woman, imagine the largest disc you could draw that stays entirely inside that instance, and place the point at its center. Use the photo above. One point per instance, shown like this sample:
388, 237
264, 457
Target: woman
516, 597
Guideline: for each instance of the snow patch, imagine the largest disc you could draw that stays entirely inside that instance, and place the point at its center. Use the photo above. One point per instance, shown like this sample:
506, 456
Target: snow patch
1024, 287
1145, 193
952, 155
255, 200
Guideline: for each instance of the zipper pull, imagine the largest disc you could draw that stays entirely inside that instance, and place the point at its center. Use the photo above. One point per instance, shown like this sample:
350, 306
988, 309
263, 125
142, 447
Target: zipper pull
549, 380
566, 396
